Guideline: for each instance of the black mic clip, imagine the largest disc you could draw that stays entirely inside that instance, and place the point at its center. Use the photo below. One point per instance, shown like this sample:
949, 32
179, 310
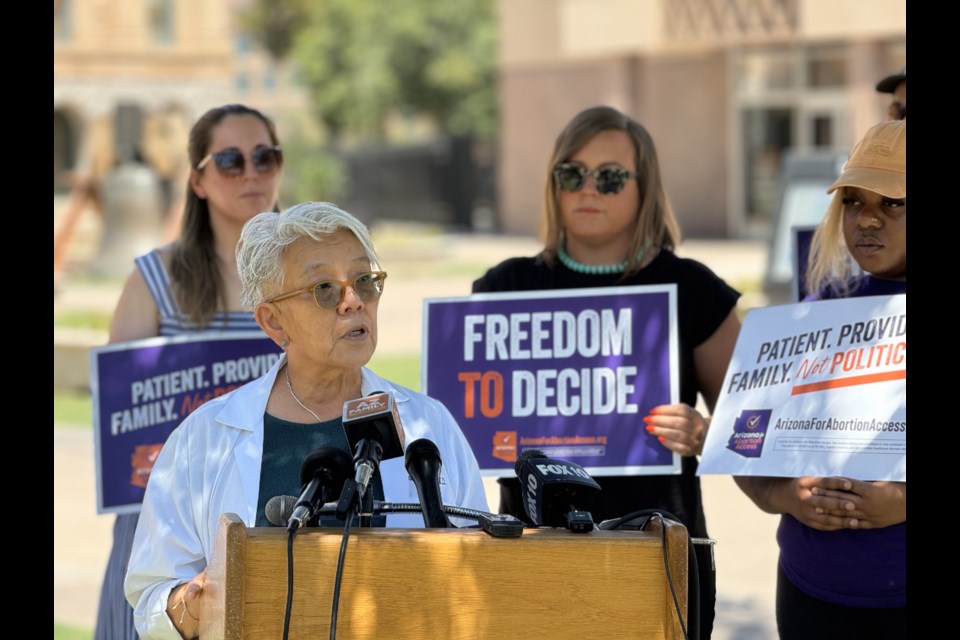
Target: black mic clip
500, 525
579, 521
349, 498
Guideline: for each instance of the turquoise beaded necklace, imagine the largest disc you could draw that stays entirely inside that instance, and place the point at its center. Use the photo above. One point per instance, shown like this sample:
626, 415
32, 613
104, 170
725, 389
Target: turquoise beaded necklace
592, 269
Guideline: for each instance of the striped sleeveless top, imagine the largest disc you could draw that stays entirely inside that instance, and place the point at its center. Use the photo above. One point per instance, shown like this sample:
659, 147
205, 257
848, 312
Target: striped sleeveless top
172, 320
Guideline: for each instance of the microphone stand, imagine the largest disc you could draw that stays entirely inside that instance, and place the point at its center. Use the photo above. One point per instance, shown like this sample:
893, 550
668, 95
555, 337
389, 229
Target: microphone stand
357, 494
367, 510
493, 524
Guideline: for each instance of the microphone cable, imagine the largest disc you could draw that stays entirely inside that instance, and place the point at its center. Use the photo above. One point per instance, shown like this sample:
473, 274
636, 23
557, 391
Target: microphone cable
693, 615
336, 583
666, 567
286, 613
490, 523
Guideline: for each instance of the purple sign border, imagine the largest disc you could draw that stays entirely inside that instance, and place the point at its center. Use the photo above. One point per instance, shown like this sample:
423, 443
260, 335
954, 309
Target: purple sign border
145, 346
671, 468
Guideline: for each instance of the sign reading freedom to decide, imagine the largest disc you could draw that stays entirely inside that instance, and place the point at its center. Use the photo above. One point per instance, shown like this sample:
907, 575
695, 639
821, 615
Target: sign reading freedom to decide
816, 389
571, 373
143, 389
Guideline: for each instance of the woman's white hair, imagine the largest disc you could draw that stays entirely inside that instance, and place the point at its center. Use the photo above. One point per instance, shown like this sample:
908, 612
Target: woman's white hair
267, 235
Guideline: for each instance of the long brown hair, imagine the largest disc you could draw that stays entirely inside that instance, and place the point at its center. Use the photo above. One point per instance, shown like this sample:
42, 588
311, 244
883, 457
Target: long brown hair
656, 224
196, 279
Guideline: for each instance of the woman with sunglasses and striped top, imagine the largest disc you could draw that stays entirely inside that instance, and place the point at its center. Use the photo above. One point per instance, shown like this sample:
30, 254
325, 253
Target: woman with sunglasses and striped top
192, 285
607, 222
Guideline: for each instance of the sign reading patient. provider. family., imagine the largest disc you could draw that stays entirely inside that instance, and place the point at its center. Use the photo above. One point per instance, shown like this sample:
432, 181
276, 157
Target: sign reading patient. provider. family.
571, 373
815, 389
143, 389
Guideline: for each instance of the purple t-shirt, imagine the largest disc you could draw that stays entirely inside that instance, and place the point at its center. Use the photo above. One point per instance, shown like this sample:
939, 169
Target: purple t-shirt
851, 567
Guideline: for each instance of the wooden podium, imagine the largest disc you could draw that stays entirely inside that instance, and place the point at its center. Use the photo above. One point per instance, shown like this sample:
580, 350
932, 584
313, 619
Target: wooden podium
447, 583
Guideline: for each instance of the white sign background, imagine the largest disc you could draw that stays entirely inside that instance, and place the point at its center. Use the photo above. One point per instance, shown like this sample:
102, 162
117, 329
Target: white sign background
815, 389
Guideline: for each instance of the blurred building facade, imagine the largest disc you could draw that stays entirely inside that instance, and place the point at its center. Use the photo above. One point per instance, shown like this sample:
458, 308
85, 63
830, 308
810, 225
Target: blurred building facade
725, 87
131, 76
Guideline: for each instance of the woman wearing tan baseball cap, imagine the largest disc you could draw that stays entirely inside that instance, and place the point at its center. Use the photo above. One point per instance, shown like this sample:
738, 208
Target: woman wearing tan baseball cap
843, 554
867, 219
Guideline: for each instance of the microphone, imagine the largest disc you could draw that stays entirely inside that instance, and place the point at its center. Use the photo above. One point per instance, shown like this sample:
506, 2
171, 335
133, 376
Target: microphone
422, 461
279, 509
555, 492
374, 431
322, 475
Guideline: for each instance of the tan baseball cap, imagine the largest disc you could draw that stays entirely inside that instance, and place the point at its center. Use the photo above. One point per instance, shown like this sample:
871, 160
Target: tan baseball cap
878, 162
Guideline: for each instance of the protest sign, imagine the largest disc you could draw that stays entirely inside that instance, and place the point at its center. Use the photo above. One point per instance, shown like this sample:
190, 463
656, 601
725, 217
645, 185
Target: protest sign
571, 373
143, 389
815, 389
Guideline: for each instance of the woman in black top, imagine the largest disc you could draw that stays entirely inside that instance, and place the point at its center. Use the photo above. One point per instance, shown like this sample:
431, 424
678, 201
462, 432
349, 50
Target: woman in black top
607, 222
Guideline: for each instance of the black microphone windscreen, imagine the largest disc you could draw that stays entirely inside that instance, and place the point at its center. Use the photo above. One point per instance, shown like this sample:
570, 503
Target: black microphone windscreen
422, 461
421, 448
335, 460
527, 455
552, 489
279, 509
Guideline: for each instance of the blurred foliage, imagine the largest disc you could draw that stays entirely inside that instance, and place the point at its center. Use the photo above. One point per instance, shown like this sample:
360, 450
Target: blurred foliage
444, 56
274, 23
310, 174
72, 408
365, 60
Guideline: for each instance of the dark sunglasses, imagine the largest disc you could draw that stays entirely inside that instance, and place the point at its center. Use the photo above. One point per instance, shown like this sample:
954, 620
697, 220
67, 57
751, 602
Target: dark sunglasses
329, 294
609, 180
231, 162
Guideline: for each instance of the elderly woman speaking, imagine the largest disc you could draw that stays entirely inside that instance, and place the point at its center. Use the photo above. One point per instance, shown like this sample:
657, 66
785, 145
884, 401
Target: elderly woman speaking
314, 282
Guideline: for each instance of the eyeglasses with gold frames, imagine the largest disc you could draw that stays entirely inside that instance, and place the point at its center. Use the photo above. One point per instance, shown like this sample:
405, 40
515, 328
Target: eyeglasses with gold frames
329, 294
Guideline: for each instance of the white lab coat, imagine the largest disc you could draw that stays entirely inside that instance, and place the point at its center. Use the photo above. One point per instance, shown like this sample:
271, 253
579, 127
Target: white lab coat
210, 465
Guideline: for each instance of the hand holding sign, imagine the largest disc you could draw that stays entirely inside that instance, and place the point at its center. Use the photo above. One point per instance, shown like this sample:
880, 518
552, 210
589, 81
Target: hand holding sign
679, 427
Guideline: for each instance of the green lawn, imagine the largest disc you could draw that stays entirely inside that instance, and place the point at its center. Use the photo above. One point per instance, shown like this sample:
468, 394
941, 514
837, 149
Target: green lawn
67, 632
403, 369
77, 319
73, 408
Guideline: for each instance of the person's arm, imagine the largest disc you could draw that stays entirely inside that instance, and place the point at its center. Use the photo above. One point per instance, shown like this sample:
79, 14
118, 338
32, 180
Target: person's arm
167, 560
135, 316
184, 603
712, 358
870, 504
829, 503
680, 427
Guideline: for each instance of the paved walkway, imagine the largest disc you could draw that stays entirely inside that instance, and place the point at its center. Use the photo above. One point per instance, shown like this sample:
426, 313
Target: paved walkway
425, 264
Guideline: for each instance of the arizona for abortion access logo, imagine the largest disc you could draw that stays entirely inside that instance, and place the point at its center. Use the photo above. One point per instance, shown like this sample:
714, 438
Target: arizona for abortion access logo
505, 446
749, 431
141, 463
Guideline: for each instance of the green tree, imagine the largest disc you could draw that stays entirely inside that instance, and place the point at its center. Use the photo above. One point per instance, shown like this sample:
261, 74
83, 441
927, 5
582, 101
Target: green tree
275, 23
443, 55
342, 57
362, 60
